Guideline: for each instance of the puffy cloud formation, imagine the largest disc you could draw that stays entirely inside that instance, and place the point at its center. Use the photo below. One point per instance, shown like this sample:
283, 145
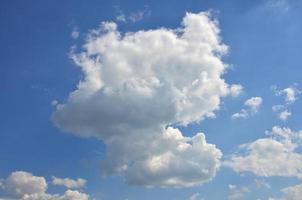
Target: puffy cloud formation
274, 156
69, 183
22, 185
137, 85
253, 105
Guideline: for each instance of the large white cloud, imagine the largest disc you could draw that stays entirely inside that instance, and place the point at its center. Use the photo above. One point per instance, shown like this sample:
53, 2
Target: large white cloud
136, 85
273, 156
22, 185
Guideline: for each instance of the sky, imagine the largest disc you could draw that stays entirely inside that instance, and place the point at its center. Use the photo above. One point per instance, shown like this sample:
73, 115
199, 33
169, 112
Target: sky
125, 100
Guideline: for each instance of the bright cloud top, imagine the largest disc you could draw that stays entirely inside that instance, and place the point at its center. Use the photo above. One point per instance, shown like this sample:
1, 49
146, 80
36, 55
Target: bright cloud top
274, 156
138, 84
22, 185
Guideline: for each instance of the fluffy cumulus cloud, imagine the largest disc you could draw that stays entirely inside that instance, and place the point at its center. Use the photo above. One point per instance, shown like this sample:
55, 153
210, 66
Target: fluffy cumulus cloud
22, 185
68, 182
276, 155
137, 85
253, 104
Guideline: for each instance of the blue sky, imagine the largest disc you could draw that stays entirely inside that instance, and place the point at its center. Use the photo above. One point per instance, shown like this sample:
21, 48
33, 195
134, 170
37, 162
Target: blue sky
38, 40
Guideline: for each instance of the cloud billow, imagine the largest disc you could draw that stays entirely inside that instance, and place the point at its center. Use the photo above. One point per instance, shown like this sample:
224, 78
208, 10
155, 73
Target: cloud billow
136, 86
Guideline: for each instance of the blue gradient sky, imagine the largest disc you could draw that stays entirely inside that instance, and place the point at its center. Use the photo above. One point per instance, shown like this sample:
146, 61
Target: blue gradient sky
265, 50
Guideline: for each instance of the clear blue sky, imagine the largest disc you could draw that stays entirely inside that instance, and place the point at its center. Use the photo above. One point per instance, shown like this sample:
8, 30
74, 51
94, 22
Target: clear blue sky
265, 46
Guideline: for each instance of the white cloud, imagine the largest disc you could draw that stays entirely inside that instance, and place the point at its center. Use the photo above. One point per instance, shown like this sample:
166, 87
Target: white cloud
290, 96
242, 114
237, 193
75, 34
22, 185
289, 93
69, 183
133, 16
277, 108
253, 105
274, 156
261, 183
136, 85
284, 115
290, 193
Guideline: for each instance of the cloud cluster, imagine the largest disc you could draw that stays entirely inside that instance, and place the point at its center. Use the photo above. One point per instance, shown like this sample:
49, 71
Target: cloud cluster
290, 96
253, 104
22, 185
273, 156
136, 86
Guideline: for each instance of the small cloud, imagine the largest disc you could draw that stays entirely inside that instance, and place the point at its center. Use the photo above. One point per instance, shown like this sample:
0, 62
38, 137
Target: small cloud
242, 114
289, 94
75, 34
54, 102
236, 193
69, 183
284, 115
253, 104
236, 90
261, 183
196, 196
279, 5
133, 16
